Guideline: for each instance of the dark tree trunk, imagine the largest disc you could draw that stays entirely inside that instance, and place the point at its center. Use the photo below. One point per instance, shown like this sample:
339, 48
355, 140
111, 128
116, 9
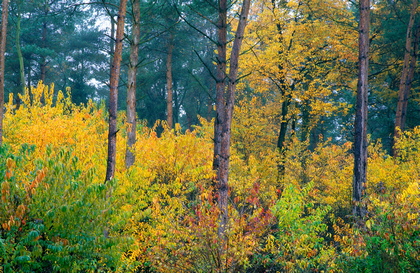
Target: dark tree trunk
132, 84
113, 98
43, 64
282, 132
360, 142
407, 75
209, 108
28, 72
220, 86
112, 40
225, 99
286, 96
283, 123
169, 81
3, 35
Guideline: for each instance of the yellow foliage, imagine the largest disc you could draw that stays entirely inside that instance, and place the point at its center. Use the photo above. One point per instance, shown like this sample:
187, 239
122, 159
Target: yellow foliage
166, 201
296, 54
49, 119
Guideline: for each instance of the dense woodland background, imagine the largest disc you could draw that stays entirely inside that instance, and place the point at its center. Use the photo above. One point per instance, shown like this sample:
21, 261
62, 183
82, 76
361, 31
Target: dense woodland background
312, 47
291, 164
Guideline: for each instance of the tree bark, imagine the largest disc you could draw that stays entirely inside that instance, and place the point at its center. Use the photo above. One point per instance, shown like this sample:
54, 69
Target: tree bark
3, 36
225, 99
209, 108
282, 132
112, 40
43, 64
113, 88
407, 74
132, 84
220, 85
169, 81
28, 72
19, 50
360, 142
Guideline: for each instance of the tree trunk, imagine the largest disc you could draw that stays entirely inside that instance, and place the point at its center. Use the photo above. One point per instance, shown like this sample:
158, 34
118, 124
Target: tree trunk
225, 99
112, 40
43, 64
28, 72
209, 108
19, 51
132, 84
3, 35
287, 99
176, 108
282, 132
113, 88
169, 81
407, 75
220, 88
360, 142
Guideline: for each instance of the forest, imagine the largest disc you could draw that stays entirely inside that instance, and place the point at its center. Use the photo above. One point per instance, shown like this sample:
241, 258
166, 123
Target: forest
210, 136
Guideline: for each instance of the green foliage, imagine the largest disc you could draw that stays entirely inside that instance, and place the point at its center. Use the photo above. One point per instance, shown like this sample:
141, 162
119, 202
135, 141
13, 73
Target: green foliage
297, 243
53, 218
390, 242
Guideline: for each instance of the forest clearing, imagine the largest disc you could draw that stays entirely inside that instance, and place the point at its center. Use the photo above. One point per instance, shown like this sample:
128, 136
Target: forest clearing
209, 136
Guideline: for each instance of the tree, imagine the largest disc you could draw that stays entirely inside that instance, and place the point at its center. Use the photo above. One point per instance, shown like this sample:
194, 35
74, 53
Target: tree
301, 77
407, 75
360, 125
73, 49
45, 28
169, 81
192, 82
113, 88
3, 36
83, 65
225, 100
19, 49
389, 25
132, 83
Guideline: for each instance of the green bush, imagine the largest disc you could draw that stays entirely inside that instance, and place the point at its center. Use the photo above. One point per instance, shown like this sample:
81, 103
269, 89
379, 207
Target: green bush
53, 216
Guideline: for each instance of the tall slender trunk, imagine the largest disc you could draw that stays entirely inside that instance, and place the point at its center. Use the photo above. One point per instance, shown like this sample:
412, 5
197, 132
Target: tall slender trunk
132, 84
220, 86
287, 99
113, 88
43, 58
176, 107
112, 41
360, 142
169, 81
407, 75
225, 99
3, 35
29, 74
209, 108
19, 51
282, 132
